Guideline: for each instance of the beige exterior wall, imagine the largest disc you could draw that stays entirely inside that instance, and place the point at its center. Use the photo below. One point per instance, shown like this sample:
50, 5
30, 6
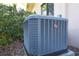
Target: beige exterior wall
73, 16
60, 8
70, 11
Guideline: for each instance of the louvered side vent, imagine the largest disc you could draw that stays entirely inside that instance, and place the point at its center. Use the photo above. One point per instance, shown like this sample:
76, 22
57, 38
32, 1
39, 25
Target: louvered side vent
46, 35
33, 36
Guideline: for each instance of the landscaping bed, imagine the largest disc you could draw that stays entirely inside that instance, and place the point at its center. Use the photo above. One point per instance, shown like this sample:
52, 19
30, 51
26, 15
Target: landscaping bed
14, 49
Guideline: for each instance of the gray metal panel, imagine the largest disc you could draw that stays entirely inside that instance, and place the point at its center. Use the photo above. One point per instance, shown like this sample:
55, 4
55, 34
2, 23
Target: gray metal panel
26, 39
45, 35
44, 17
33, 35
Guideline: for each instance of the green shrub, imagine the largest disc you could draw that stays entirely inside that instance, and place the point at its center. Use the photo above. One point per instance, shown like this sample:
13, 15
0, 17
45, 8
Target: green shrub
4, 42
11, 23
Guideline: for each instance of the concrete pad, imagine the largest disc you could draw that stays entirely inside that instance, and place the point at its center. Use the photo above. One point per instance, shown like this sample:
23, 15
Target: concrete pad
69, 53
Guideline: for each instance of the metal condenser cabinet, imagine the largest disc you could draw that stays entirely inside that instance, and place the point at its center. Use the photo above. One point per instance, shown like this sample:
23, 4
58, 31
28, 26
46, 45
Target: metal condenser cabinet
45, 34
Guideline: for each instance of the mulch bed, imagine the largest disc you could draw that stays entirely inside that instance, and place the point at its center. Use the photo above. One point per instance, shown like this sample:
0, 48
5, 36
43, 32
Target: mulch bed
14, 49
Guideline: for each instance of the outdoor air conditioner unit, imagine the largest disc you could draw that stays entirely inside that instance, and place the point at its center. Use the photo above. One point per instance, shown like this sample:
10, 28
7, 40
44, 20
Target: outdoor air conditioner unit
45, 35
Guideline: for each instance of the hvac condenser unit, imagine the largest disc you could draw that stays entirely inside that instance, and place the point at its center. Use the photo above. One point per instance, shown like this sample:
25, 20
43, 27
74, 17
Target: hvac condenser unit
44, 35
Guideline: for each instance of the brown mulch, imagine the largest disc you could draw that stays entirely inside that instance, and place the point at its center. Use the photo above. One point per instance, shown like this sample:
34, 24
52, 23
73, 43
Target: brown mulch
14, 49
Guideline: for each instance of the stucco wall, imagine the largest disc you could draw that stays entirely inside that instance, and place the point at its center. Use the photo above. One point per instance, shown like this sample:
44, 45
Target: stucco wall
73, 26
59, 8
70, 11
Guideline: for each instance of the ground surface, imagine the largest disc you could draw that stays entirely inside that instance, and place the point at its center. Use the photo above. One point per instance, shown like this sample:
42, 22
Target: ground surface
16, 49
76, 50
